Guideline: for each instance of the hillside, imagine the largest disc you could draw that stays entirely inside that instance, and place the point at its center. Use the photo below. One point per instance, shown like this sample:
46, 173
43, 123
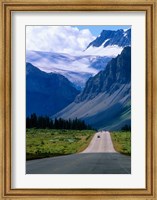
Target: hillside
105, 102
47, 93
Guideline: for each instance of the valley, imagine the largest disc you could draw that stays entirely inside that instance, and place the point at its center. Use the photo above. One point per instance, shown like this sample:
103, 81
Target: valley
93, 87
78, 101
105, 101
98, 158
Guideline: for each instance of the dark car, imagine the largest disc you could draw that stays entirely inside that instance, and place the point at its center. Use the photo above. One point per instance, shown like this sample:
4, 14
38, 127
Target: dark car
98, 136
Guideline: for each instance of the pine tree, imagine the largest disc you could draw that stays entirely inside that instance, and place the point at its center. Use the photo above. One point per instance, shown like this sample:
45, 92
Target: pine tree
45, 122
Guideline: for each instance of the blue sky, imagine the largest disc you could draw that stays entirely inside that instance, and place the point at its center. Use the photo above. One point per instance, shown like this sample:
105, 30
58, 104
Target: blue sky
96, 30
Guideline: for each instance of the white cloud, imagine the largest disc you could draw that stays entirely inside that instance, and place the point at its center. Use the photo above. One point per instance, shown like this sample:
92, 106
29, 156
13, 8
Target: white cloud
63, 39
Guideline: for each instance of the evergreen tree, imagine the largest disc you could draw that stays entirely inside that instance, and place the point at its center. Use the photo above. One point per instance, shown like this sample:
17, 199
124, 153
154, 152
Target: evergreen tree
44, 122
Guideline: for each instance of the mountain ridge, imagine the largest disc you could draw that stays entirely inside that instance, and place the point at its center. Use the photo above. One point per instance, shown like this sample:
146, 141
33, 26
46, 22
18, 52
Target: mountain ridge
120, 37
78, 69
47, 93
106, 97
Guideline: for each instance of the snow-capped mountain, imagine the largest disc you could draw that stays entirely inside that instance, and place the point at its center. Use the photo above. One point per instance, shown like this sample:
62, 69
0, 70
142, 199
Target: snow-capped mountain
109, 43
78, 69
105, 102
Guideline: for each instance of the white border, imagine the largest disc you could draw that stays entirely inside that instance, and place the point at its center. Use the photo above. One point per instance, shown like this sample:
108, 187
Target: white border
137, 177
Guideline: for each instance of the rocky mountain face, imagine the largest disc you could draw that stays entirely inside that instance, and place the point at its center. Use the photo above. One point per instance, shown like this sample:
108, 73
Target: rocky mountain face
79, 68
109, 43
105, 101
120, 38
117, 72
47, 93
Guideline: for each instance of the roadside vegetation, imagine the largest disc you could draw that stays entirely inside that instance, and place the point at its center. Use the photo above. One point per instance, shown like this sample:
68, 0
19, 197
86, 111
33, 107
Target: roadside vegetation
41, 143
122, 141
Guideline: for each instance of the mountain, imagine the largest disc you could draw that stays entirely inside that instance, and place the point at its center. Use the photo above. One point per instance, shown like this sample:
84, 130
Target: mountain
120, 38
47, 93
76, 69
105, 102
109, 43
79, 68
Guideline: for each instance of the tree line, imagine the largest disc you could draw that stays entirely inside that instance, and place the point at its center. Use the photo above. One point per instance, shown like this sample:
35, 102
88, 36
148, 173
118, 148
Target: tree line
126, 128
43, 122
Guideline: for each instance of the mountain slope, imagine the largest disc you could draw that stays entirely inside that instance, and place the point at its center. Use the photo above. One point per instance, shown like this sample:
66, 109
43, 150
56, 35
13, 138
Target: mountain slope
109, 43
120, 37
78, 69
105, 101
47, 93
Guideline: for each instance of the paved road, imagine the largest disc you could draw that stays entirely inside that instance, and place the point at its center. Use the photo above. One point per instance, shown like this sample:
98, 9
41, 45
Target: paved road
101, 142
99, 158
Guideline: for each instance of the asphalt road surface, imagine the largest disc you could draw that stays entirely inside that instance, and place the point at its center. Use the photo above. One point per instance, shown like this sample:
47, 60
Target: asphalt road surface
101, 142
99, 158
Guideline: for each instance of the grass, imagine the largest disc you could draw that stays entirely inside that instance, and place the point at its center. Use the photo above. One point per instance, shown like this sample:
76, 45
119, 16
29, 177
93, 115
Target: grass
122, 141
41, 143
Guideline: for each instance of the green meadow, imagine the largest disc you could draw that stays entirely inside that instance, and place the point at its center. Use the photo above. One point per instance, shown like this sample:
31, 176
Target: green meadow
41, 143
122, 141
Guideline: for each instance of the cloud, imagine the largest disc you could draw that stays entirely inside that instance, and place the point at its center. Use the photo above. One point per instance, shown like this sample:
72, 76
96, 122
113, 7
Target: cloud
62, 39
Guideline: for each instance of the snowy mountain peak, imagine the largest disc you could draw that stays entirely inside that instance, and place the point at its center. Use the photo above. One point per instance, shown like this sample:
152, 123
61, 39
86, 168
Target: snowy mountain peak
109, 37
79, 68
109, 43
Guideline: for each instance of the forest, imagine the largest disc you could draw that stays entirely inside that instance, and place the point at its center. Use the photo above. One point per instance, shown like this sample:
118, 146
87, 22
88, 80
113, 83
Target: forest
43, 122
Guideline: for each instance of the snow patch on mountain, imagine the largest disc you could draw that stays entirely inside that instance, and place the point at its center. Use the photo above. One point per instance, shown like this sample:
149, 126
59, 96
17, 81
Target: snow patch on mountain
76, 68
105, 41
50, 61
79, 68
109, 51
109, 43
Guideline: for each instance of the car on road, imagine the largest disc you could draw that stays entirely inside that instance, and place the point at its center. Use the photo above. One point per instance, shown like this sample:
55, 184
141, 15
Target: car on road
98, 136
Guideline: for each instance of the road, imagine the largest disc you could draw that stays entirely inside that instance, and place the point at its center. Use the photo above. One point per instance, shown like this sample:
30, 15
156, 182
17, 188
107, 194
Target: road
102, 144
98, 158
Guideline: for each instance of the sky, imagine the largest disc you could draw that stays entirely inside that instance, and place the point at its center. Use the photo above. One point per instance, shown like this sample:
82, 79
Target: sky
63, 39
96, 30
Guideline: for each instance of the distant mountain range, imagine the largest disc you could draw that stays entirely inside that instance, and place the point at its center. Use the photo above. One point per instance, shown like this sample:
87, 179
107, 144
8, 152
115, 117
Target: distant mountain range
105, 102
94, 86
47, 93
78, 69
